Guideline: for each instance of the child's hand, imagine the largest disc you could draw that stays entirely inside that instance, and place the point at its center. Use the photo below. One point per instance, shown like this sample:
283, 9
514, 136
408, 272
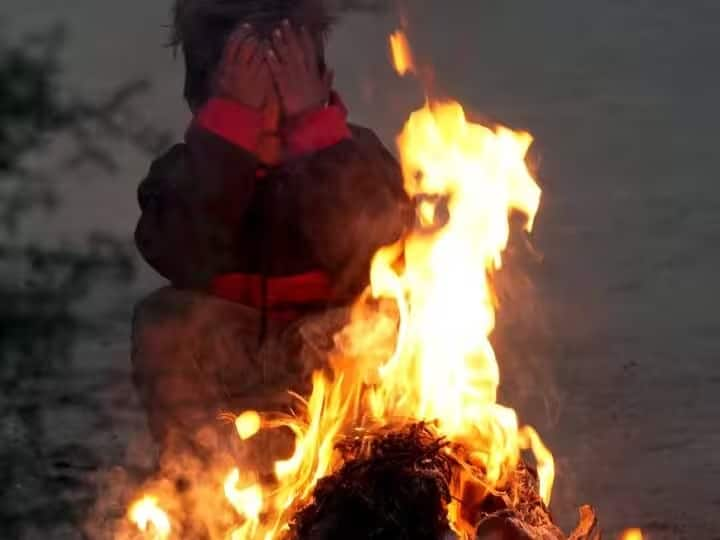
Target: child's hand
243, 74
294, 66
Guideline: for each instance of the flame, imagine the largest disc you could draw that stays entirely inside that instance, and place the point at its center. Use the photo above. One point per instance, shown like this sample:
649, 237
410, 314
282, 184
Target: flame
401, 53
443, 369
632, 534
247, 424
150, 518
449, 304
440, 366
247, 502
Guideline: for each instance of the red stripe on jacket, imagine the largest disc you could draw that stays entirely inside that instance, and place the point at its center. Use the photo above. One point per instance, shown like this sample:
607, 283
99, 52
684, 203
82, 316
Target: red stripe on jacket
285, 297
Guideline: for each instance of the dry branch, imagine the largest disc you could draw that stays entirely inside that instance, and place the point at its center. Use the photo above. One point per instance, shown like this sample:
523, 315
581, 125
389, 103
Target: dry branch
394, 484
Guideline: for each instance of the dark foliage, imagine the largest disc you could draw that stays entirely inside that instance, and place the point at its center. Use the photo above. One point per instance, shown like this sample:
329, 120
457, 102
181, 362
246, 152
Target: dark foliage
40, 284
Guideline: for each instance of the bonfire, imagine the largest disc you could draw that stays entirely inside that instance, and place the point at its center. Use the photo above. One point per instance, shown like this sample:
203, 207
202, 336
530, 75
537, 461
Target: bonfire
405, 437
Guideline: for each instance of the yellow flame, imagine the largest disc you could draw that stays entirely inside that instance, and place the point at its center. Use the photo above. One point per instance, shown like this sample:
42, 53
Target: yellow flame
149, 518
632, 534
529, 439
401, 53
247, 424
444, 368
247, 501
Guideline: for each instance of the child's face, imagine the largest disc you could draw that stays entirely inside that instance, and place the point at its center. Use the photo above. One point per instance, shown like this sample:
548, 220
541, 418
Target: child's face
279, 75
244, 76
274, 106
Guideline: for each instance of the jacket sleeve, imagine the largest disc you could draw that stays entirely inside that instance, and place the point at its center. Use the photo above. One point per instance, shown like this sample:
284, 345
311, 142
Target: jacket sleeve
350, 201
193, 200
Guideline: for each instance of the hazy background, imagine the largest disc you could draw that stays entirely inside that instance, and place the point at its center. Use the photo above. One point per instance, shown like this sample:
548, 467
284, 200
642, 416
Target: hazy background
621, 97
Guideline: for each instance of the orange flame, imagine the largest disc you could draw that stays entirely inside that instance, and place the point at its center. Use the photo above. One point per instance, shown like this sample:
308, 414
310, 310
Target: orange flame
150, 518
632, 534
247, 502
401, 53
247, 424
444, 368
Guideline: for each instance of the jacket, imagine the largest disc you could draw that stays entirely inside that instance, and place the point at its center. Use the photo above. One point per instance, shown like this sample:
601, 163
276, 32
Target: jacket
286, 239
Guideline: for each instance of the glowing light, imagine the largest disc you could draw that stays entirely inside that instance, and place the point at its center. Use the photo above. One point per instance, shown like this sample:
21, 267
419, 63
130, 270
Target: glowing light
632, 534
150, 518
247, 424
401, 53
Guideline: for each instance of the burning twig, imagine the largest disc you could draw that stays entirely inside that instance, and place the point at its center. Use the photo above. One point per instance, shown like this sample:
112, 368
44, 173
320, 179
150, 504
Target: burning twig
588, 528
393, 485
396, 483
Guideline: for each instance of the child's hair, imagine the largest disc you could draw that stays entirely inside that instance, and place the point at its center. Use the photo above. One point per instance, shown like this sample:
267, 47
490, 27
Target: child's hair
202, 27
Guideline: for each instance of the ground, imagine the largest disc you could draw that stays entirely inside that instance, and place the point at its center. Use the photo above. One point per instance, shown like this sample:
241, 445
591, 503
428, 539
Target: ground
630, 422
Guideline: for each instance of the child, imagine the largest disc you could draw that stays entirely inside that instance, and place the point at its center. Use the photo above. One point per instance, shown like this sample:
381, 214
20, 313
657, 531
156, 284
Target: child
264, 220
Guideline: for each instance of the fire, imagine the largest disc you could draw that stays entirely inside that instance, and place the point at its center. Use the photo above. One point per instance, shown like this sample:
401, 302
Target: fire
444, 368
150, 518
441, 368
247, 502
248, 424
401, 53
632, 534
